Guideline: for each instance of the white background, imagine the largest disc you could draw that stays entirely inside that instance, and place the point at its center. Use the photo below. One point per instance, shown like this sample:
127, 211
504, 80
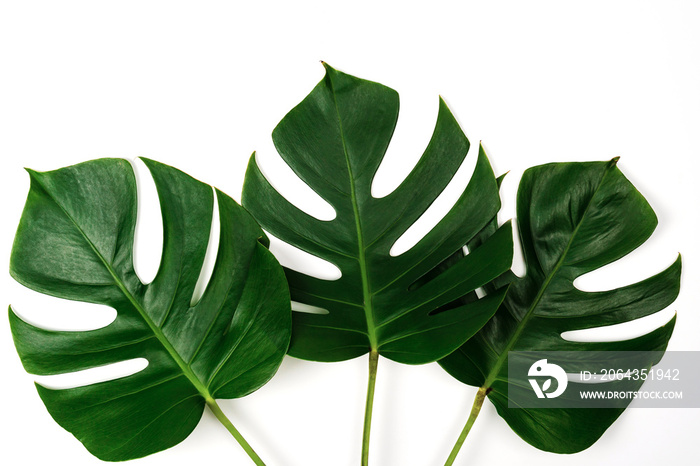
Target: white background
200, 86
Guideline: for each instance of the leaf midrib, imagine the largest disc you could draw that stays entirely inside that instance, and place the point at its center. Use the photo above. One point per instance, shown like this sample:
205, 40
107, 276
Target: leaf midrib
366, 291
186, 370
493, 373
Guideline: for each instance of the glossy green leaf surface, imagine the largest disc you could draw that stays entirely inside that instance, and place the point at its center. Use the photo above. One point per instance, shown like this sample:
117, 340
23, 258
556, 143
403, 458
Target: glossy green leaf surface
75, 241
573, 218
335, 140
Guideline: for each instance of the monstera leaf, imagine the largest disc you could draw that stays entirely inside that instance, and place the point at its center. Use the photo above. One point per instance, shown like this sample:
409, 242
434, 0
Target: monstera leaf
573, 218
75, 241
335, 140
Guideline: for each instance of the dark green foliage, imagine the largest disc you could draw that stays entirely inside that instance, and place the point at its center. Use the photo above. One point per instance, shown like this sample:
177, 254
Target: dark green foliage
335, 140
573, 218
75, 241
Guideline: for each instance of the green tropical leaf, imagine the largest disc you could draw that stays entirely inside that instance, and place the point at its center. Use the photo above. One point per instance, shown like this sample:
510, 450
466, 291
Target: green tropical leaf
335, 140
75, 241
573, 218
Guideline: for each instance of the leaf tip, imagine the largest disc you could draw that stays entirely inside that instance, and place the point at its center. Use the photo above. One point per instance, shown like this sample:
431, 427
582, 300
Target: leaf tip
148, 162
333, 75
32, 173
671, 324
614, 161
252, 161
678, 263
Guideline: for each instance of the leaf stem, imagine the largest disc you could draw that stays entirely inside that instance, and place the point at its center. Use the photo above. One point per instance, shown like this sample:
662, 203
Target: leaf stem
373, 363
476, 407
214, 406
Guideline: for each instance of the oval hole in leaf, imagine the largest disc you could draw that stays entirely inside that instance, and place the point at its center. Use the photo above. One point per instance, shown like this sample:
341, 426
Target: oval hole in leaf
518, 266
58, 314
293, 188
95, 375
508, 190
210, 255
439, 208
621, 332
307, 308
148, 237
642, 263
301, 261
413, 130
